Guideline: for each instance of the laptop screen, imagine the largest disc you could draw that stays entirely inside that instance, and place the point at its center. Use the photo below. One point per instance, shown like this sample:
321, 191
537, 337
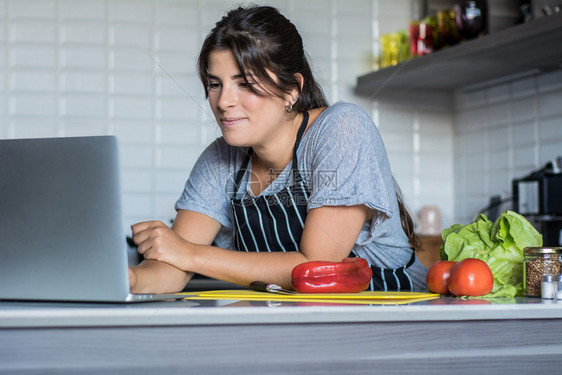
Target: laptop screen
60, 219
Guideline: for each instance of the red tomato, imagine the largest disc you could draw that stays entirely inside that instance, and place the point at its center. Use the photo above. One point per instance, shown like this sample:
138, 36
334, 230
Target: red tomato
471, 277
437, 278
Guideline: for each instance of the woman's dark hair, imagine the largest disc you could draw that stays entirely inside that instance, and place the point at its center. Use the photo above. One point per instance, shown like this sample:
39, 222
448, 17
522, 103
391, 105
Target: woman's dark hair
261, 40
407, 222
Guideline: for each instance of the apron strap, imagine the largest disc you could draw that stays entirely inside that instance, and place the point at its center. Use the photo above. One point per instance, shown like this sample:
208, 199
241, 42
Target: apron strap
412, 259
296, 174
295, 167
241, 171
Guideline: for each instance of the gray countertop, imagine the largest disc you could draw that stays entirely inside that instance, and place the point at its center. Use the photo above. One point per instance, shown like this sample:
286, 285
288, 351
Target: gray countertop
203, 312
440, 336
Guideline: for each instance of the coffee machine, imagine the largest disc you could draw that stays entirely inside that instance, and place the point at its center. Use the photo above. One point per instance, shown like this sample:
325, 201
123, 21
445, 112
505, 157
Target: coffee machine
538, 197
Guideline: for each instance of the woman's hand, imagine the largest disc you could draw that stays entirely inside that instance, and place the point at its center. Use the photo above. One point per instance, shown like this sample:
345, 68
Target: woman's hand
156, 241
132, 278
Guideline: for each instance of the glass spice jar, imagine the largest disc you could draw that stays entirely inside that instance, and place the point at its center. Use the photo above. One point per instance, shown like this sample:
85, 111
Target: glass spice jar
540, 261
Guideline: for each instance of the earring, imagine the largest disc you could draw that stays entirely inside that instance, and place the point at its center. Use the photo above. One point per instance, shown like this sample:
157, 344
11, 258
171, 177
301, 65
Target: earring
289, 108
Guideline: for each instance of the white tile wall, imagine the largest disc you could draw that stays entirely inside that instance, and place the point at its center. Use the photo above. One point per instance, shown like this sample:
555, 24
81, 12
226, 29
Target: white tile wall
127, 67
502, 133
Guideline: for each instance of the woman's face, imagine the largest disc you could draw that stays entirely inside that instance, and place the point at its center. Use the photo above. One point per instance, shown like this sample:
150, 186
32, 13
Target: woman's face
245, 119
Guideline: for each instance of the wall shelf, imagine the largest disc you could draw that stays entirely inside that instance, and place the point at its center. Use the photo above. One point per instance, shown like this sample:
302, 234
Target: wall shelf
518, 51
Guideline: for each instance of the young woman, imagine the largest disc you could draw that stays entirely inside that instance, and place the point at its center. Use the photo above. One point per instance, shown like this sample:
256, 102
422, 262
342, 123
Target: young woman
291, 180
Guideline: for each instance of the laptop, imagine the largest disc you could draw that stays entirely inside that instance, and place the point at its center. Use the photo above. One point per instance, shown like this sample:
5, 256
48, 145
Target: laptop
61, 228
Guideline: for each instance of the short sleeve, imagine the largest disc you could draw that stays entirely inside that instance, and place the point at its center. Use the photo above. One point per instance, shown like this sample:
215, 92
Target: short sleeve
349, 165
205, 191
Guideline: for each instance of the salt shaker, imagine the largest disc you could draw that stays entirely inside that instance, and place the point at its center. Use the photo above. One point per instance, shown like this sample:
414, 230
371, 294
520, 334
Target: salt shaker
549, 288
559, 291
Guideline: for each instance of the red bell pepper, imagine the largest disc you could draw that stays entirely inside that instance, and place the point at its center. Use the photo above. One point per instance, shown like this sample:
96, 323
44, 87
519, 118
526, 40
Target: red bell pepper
351, 275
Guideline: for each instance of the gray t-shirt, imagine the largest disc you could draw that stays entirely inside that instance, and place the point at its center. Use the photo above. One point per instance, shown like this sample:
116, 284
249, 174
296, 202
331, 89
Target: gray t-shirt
342, 160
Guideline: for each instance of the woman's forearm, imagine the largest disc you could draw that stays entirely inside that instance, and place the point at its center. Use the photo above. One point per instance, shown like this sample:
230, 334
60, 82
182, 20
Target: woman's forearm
241, 267
152, 276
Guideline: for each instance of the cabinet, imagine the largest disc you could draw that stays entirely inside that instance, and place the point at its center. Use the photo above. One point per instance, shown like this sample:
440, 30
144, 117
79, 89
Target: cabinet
430, 249
519, 51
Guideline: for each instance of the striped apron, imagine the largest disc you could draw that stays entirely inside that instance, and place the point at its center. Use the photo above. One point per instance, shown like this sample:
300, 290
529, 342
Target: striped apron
276, 222
392, 279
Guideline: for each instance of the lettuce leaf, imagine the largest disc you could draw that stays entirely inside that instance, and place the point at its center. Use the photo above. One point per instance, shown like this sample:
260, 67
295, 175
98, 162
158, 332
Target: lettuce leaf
499, 244
468, 241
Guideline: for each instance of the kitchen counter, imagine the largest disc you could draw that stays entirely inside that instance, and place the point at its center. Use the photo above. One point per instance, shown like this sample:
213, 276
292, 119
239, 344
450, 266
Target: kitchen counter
521, 335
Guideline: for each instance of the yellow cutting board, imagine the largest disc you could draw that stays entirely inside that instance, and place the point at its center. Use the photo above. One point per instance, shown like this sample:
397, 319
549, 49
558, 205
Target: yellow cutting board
379, 298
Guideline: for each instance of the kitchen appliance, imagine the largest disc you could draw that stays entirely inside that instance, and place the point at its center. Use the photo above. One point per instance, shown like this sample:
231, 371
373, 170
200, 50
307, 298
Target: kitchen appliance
538, 197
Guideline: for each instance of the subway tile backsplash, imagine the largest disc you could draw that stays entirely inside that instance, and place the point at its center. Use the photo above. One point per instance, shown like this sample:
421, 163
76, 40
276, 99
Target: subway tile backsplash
516, 127
127, 67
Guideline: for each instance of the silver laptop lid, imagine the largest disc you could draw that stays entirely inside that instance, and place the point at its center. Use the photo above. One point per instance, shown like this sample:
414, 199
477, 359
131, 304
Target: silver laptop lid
61, 234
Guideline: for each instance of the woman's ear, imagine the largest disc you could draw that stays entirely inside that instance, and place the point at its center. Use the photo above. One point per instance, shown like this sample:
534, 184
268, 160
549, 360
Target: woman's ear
293, 96
300, 80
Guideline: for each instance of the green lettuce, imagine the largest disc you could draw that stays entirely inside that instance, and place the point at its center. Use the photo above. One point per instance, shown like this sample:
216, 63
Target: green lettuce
499, 244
